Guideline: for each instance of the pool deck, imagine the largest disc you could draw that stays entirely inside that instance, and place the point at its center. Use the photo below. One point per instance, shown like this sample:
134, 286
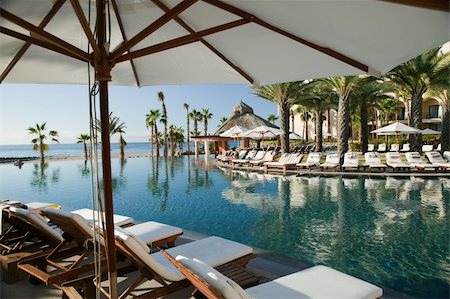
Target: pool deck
266, 264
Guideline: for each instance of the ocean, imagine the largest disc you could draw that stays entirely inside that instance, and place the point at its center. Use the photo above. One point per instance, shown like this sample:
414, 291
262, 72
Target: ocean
67, 150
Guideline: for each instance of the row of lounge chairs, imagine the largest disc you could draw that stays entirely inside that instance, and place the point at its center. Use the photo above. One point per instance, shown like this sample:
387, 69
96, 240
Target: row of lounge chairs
395, 147
133, 243
351, 161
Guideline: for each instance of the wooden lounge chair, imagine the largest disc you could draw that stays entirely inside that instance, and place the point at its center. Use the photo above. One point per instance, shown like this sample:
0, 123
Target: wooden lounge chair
313, 283
406, 147
268, 157
394, 160
415, 160
312, 160
331, 162
436, 159
373, 161
258, 156
351, 161
381, 147
289, 162
214, 251
76, 229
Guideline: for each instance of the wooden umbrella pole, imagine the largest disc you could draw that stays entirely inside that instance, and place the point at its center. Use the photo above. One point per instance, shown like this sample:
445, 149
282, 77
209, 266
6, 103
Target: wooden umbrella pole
103, 75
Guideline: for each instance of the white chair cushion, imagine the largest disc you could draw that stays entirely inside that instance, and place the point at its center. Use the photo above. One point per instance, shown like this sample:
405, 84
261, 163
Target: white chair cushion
118, 219
142, 243
151, 231
318, 282
225, 286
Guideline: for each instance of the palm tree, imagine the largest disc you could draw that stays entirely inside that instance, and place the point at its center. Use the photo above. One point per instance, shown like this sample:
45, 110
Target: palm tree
83, 138
206, 115
196, 116
371, 93
186, 106
172, 138
304, 116
440, 94
342, 87
116, 126
151, 121
179, 139
283, 95
222, 120
158, 139
414, 78
272, 118
164, 120
38, 142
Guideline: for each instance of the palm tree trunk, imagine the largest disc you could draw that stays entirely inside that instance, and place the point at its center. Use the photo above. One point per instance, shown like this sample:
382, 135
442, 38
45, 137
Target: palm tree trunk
152, 140
284, 126
329, 124
156, 140
416, 121
206, 126
85, 151
165, 129
188, 135
364, 126
195, 127
306, 126
319, 131
445, 137
343, 121
41, 150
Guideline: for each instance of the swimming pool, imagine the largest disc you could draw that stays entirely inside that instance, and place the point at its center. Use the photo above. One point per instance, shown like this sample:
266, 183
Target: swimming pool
392, 232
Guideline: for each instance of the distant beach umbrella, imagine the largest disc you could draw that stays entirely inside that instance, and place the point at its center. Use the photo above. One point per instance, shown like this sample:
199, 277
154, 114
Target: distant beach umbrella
262, 132
396, 129
294, 136
234, 131
430, 132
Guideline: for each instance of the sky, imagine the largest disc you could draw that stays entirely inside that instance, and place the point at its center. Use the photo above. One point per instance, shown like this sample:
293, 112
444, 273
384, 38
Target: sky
65, 108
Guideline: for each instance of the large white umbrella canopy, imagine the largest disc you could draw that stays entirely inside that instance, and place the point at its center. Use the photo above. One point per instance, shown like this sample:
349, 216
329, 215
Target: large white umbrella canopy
262, 132
396, 128
234, 131
429, 131
295, 136
211, 41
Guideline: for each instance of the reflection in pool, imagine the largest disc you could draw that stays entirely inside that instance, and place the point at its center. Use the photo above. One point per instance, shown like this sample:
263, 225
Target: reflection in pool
393, 232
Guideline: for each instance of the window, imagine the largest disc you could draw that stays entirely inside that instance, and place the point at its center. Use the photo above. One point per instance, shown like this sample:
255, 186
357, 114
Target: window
433, 111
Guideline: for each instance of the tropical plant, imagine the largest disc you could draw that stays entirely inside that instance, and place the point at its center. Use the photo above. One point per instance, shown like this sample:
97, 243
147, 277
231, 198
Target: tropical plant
272, 118
164, 121
39, 131
222, 120
196, 116
283, 94
206, 115
179, 139
83, 138
186, 107
172, 138
414, 77
342, 87
116, 126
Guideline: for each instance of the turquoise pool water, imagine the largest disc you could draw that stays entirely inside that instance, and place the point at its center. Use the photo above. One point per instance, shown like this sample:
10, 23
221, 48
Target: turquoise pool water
392, 232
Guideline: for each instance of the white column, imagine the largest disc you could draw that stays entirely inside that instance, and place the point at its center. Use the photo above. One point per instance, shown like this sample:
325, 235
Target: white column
206, 152
196, 148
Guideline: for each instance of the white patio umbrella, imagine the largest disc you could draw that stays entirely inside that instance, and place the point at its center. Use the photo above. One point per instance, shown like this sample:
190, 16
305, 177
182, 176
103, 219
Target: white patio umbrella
158, 42
294, 136
396, 128
429, 131
261, 132
233, 131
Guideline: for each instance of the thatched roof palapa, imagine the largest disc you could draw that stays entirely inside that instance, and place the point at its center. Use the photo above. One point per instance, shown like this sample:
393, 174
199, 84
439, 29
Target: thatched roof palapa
243, 116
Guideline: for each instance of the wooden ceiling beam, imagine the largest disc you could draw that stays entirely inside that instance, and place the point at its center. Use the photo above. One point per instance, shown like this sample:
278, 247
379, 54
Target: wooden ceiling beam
40, 42
251, 18
205, 43
164, 19
181, 41
26, 46
86, 28
124, 36
44, 35
441, 5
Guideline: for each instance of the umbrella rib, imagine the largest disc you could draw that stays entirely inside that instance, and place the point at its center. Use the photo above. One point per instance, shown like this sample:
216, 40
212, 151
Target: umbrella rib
441, 5
122, 31
86, 28
42, 43
204, 42
339, 56
164, 19
180, 41
50, 38
27, 45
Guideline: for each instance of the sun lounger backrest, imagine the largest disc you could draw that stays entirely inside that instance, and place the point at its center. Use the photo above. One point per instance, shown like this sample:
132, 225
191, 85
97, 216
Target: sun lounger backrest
435, 157
313, 158
372, 157
446, 155
405, 147
351, 159
370, 147
393, 158
332, 158
259, 155
32, 221
283, 158
427, 148
297, 158
242, 154
73, 226
413, 157
395, 147
382, 147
